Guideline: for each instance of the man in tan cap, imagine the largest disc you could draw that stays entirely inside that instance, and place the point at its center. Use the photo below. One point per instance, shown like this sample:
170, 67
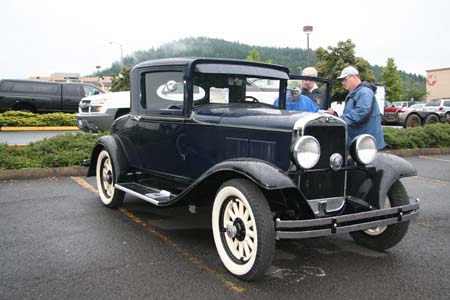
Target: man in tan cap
309, 87
361, 112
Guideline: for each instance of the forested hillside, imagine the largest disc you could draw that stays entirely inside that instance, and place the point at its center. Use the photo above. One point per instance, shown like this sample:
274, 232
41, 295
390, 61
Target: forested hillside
294, 58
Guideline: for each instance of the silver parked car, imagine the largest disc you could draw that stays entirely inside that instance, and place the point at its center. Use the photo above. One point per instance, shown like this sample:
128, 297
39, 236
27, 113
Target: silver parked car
98, 112
441, 106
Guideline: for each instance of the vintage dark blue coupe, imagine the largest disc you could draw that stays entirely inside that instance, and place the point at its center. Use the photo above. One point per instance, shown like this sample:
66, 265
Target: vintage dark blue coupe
206, 132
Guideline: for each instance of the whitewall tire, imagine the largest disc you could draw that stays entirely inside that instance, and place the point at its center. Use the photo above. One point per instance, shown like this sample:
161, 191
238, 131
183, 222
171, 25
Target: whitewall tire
243, 229
105, 174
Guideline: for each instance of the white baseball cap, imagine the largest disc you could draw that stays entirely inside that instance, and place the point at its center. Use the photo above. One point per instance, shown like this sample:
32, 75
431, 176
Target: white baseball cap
348, 71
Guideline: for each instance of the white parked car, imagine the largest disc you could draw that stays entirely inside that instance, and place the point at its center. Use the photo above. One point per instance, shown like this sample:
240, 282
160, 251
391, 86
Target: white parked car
98, 112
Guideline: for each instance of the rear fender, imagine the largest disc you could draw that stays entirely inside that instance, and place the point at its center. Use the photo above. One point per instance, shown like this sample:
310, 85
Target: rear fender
116, 152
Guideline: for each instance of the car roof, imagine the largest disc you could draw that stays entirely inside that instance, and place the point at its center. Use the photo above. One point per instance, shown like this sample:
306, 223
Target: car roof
184, 61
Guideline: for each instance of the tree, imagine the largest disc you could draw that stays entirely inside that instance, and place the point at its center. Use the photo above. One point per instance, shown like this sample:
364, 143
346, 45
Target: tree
392, 81
331, 61
121, 82
254, 55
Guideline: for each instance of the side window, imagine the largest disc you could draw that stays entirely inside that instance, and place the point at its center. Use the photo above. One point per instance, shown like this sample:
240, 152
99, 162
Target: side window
35, 87
447, 103
90, 90
163, 91
73, 90
6, 85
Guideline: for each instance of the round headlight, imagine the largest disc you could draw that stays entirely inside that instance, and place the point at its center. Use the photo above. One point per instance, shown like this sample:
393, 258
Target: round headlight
306, 152
363, 149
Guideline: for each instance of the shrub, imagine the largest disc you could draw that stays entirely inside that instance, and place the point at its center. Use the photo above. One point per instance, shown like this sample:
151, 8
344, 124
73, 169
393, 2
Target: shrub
430, 136
21, 118
59, 151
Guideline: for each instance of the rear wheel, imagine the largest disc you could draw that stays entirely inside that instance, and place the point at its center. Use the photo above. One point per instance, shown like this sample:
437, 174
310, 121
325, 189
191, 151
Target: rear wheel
413, 121
447, 117
385, 237
243, 229
431, 119
106, 180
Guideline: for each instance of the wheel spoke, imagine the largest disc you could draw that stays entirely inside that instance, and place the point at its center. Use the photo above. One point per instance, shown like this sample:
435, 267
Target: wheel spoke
247, 249
249, 232
250, 243
230, 213
235, 209
241, 209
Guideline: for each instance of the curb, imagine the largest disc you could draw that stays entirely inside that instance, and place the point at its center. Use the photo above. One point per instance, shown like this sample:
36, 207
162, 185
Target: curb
40, 128
417, 151
35, 173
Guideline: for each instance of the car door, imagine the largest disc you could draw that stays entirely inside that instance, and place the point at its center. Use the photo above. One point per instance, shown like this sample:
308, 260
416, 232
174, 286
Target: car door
159, 131
71, 96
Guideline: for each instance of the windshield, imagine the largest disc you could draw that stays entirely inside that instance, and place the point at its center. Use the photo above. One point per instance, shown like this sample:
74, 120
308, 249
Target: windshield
397, 104
433, 103
417, 106
225, 89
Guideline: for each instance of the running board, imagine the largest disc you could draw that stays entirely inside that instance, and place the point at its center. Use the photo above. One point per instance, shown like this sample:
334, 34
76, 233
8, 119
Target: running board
154, 196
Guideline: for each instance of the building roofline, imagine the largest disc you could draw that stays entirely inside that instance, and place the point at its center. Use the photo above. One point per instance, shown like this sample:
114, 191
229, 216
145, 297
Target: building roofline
441, 69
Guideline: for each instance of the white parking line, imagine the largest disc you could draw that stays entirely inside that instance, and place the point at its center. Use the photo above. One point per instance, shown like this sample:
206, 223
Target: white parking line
186, 254
432, 179
433, 158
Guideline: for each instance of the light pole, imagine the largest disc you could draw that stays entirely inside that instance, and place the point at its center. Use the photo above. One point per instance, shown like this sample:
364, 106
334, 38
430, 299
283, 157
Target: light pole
307, 30
121, 51
98, 74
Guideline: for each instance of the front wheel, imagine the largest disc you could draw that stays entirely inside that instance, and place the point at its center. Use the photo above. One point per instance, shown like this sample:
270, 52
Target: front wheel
106, 180
385, 237
243, 229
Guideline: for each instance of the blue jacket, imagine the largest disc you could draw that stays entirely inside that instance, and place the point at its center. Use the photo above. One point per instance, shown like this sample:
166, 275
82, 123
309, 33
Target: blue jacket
357, 105
303, 103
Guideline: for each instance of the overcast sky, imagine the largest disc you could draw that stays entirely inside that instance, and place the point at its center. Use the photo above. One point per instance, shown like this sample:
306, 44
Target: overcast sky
40, 37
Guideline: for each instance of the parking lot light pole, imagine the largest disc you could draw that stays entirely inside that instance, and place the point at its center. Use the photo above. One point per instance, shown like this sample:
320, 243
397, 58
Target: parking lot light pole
307, 30
121, 51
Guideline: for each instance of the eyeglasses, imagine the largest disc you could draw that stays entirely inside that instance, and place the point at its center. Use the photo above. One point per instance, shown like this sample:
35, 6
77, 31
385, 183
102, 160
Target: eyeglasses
346, 78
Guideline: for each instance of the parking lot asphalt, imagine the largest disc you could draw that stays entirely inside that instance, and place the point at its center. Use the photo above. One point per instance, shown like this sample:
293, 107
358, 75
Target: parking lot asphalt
57, 241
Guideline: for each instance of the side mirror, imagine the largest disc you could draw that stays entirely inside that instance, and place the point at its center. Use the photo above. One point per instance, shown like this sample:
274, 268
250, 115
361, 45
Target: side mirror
96, 92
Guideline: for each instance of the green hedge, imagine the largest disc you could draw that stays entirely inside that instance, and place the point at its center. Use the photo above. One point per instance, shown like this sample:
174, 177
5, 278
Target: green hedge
59, 151
430, 136
70, 149
21, 118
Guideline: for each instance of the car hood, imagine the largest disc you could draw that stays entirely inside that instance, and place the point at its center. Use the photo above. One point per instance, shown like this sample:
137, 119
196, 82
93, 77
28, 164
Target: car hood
109, 96
249, 116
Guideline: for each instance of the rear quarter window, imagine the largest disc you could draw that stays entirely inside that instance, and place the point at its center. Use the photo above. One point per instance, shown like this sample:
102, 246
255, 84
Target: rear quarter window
34, 87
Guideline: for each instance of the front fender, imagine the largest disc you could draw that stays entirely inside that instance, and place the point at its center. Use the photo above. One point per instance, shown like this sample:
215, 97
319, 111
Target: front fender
393, 168
116, 152
261, 172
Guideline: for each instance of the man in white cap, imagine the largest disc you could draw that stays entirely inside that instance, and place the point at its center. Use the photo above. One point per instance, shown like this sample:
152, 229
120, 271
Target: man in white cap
361, 112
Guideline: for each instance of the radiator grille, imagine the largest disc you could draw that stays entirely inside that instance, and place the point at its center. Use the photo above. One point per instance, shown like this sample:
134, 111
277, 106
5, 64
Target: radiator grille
325, 184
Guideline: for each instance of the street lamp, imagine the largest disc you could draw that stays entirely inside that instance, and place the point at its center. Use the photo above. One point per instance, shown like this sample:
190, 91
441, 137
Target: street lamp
307, 30
98, 73
121, 51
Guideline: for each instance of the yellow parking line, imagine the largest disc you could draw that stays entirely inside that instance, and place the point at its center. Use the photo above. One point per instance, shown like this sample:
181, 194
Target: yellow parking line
186, 254
432, 179
433, 158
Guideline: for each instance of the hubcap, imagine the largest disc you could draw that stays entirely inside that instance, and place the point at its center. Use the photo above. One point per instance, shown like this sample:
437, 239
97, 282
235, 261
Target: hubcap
239, 231
107, 178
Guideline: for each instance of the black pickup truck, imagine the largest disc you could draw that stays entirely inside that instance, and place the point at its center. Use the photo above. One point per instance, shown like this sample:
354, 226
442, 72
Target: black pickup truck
43, 96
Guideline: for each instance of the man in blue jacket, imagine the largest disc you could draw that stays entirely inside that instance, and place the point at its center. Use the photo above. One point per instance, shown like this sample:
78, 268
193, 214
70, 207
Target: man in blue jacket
361, 111
296, 101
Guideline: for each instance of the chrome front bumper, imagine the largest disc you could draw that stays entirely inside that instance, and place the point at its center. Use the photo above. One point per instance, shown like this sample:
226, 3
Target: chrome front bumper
298, 229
